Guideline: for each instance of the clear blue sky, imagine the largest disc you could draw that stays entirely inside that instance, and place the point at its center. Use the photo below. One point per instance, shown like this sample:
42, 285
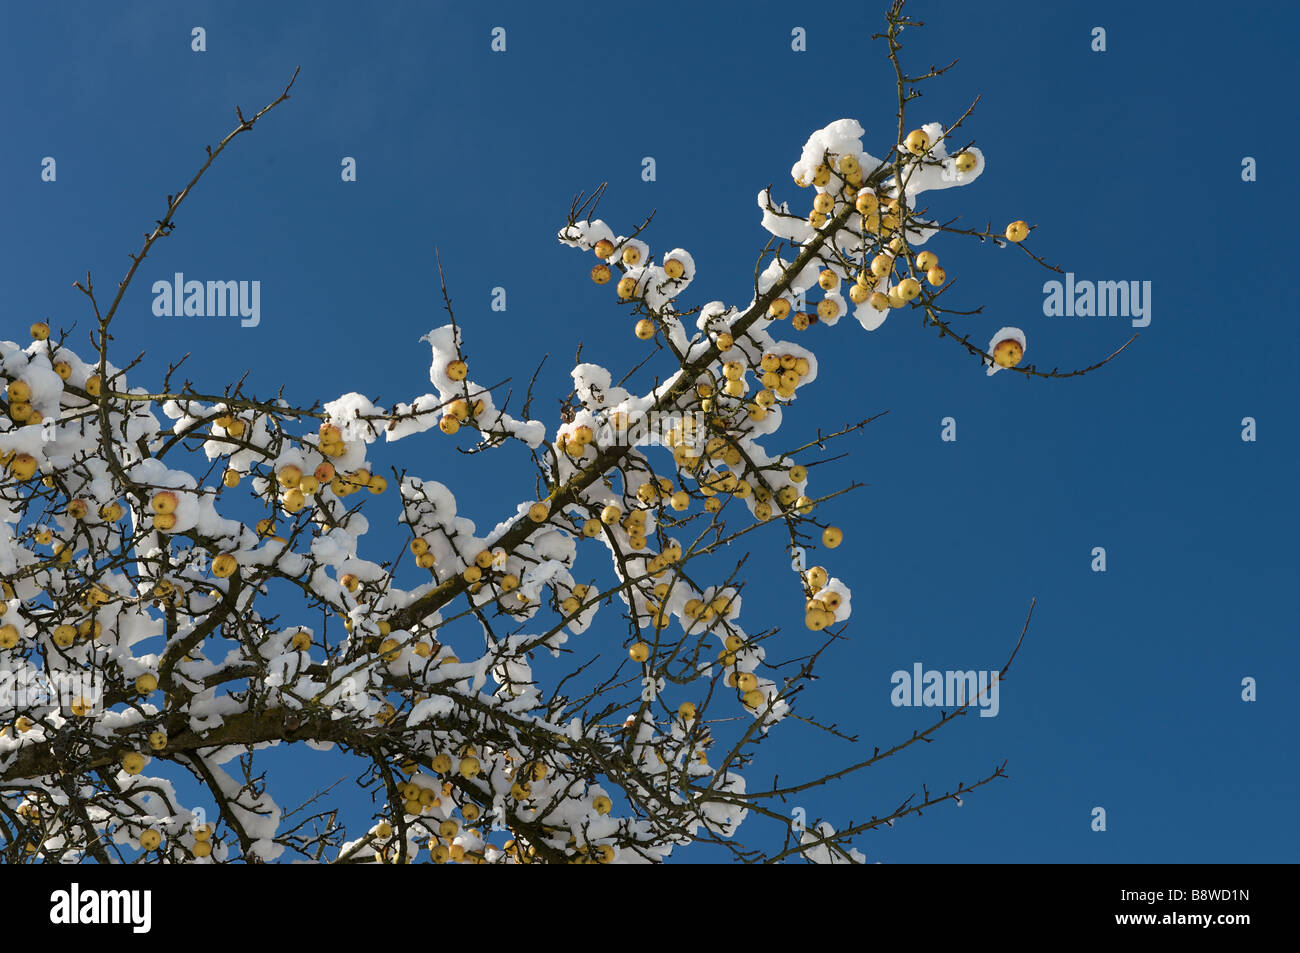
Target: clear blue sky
1127, 692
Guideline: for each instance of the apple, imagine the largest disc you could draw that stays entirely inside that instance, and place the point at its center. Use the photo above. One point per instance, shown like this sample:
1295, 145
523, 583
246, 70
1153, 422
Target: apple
964, 161
601, 804
1017, 231
350, 582
827, 309
832, 536
604, 248
824, 203
821, 175
294, 500
289, 476
539, 511
224, 565
600, 274
146, 684
150, 839
754, 699
674, 269
65, 635
645, 329
1008, 353
449, 425
917, 142
158, 740
40, 331
626, 287
779, 309
457, 370
301, 641
639, 651
201, 849
828, 280
23, 467
133, 763
19, 391
926, 260
164, 502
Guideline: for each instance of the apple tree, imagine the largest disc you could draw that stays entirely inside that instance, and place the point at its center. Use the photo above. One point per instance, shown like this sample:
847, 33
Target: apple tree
149, 634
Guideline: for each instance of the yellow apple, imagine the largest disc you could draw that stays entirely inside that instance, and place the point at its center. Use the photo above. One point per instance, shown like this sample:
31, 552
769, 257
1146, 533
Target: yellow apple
1008, 353
1017, 232
133, 763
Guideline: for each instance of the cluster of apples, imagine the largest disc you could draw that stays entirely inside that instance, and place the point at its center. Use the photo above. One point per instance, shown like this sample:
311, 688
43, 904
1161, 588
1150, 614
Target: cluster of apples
18, 392
459, 412
824, 601
629, 287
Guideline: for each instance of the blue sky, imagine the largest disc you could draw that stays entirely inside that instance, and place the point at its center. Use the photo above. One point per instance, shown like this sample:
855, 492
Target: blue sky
1127, 693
